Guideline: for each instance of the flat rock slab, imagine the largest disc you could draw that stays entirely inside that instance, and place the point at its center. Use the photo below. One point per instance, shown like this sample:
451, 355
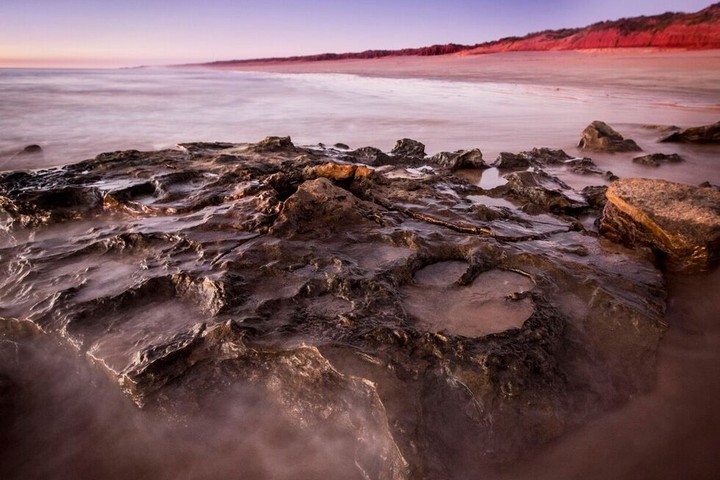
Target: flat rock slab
682, 222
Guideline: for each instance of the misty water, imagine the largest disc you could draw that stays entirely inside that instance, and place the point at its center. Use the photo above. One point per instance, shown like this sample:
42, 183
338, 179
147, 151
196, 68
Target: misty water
71, 428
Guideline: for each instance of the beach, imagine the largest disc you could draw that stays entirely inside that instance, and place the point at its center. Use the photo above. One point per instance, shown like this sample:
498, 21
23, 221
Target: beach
265, 223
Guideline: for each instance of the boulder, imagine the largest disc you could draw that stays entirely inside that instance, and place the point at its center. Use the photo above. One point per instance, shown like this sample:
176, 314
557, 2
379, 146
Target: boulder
369, 156
407, 147
704, 134
601, 137
274, 144
680, 223
657, 159
460, 159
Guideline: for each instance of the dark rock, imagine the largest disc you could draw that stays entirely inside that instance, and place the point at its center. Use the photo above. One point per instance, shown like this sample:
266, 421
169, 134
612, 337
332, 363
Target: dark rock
680, 222
709, 185
320, 208
407, 147
532, 158
546, 157
599, 136
287, 274
459, 159
657, 159
704, 134
342, 146
274, 144
546, 193
595, 195
31, 150
370, 156
511, 161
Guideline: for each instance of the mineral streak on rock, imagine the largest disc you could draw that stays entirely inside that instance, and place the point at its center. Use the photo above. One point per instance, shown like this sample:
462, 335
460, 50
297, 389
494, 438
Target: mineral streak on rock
680, 222
601, 137
306, 276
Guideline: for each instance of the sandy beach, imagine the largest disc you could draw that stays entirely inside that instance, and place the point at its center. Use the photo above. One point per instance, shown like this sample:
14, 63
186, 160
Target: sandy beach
607, 70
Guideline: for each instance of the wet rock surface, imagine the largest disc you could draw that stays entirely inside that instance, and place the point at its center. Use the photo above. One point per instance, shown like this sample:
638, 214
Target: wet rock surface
426, 325
704, 134
459, 159
657, 159
601, 137
679, 222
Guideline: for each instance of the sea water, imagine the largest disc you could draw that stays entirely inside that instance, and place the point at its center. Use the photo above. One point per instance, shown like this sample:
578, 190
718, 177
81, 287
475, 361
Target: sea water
76, 114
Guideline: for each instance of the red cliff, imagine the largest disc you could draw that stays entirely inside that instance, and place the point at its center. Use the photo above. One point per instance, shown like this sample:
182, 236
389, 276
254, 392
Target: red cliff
691, 31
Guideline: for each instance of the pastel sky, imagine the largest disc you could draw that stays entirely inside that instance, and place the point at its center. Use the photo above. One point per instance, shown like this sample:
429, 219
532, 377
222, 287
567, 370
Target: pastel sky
132, 32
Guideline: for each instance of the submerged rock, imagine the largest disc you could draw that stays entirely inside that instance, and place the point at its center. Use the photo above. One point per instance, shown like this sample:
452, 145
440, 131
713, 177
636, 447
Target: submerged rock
704, 134
424, 327
680, 222
31, 150
600, 136
657, 159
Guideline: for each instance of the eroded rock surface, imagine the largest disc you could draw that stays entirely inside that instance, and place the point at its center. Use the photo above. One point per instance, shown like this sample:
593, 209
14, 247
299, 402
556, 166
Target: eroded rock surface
704, 134
600, 136
657, 159
460, 159
429, 326
680, 222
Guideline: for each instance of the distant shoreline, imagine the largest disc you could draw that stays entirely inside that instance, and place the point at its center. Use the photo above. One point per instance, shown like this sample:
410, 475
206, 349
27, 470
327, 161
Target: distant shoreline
667, 31
555, 69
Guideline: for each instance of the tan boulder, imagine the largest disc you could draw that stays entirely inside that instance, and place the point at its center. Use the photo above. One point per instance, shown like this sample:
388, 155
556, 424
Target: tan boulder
680, 223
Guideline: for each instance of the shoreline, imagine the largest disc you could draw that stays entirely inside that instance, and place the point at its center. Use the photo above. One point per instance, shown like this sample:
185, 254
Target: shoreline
469, 66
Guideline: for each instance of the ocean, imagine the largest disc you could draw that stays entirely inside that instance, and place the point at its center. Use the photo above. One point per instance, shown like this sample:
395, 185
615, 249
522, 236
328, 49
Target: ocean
76, 114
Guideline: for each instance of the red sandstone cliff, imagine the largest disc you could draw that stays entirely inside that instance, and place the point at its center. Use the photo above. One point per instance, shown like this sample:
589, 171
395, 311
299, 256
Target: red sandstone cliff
692, 31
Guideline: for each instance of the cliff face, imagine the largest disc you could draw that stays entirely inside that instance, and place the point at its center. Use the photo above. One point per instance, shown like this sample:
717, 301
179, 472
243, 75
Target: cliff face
692, 31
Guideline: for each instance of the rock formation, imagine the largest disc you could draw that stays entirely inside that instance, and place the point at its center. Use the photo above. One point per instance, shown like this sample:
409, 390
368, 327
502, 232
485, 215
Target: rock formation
459, 159
601, 137
303, 277
657, 159
704, 134
679, 222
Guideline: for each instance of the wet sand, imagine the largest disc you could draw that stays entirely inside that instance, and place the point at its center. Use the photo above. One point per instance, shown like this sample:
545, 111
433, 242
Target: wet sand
610, 72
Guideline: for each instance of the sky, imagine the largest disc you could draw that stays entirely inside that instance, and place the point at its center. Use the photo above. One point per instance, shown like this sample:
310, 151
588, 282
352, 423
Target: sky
113, 33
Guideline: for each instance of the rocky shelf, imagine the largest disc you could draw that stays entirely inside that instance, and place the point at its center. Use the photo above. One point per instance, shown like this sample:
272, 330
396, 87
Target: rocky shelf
377, 296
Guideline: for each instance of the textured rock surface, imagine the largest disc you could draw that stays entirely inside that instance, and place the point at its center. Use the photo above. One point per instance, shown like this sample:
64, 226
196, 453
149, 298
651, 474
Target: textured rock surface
704, 134
657, 159
292, 275
459, 159
408, 147
681, 222
601, 137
